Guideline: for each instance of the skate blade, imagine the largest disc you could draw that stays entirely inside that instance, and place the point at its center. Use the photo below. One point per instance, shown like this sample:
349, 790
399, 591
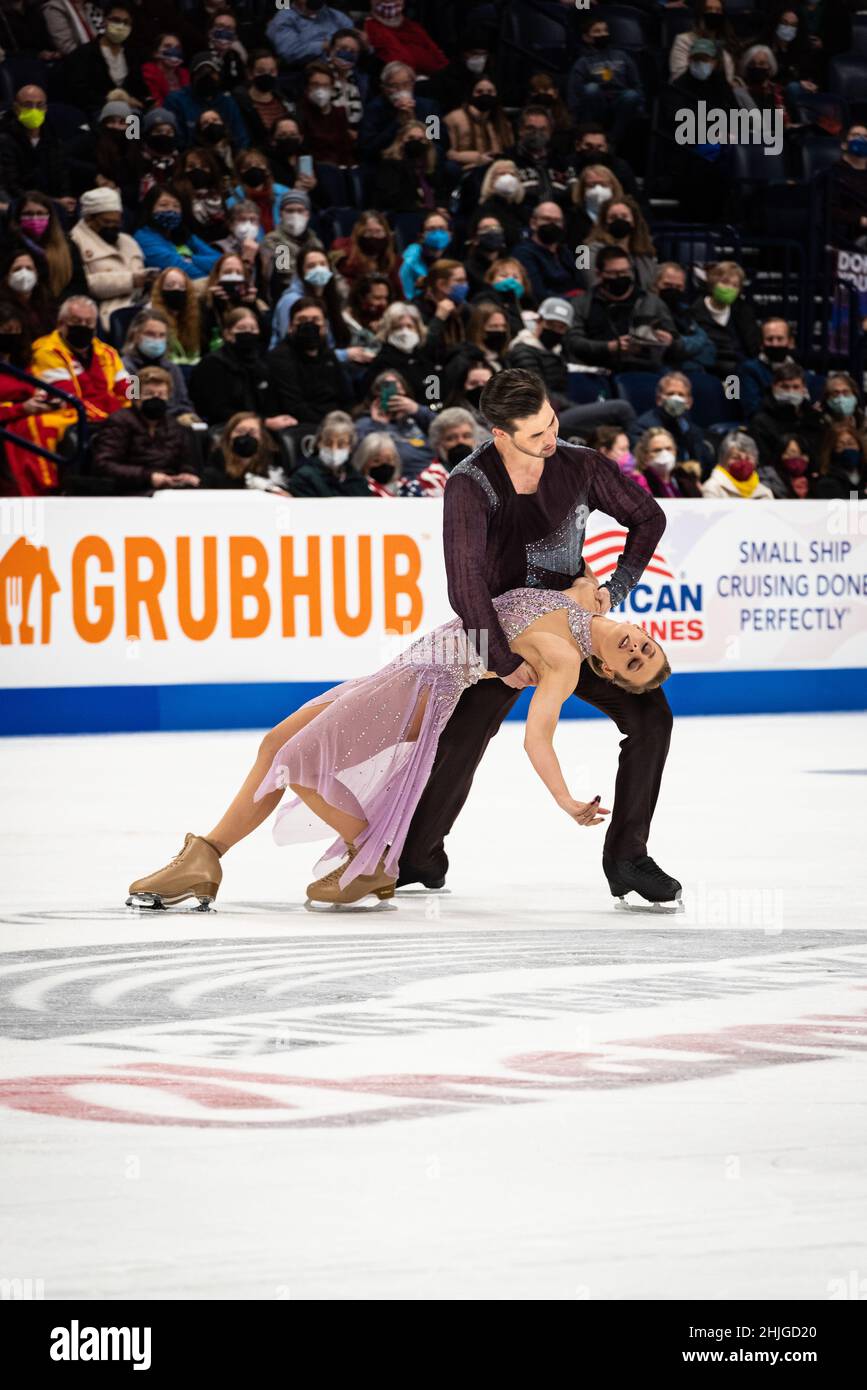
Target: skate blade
369, 903
154, 902
639, 904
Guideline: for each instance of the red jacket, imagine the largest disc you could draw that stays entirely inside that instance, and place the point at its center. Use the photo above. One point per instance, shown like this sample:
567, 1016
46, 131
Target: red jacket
157, 83
408, 43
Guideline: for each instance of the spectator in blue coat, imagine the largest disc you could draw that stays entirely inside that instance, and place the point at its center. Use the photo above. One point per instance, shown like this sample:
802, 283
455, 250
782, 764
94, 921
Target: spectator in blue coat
302, 32
604, 83
203, 94
165, 237
545, 255
671, 412
757, 373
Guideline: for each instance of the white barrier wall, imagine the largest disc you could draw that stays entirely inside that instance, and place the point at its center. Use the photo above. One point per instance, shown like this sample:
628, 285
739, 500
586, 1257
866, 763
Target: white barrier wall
104, 601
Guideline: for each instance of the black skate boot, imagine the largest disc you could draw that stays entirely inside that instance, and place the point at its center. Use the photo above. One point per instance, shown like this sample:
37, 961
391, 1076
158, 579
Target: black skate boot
644, 877
428, 878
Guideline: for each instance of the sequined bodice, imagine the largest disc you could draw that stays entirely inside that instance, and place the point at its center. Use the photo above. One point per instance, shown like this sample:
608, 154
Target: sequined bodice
518, 608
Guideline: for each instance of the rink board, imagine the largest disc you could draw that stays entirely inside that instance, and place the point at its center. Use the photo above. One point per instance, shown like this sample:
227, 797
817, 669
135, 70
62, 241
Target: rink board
214, 611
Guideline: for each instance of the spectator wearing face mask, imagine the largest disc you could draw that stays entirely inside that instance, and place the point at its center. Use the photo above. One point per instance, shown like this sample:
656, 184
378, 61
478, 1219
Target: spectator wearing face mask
199, 179
453, 436
302, 31
800, 64
759, 91
158, 151
545, 255
710, 23
327, 133
34, 226
465, 379
691, 348
390, 408
394, 38
386, 114
316, 280
791, 471
165, 237
699, 172
736, 473
351, 82
244, 234
449, 85
595, 187
365, 309
280, 249
104, 64
656, 460
402, 334
229, 287
146, 449
842, 463
204, 94
211, 133
672, 412
488, 330
621, 223
541, 178
305, 379
329, 471
618, 325
501, 196
75, 360
409, 176
592, 147
165, 72
147, 345
23, 408
419, 256
841, 402
485, 243
285, 147
256, 185
244, 457
113, 262
368, 250
235, 377
613, 443
225, 45
377, 461
507, 287
31, 154
848, 188
756, 373
728, 321
259, 98
22, 287
604, 83
172, 293
785, 409
443, 306
478, 128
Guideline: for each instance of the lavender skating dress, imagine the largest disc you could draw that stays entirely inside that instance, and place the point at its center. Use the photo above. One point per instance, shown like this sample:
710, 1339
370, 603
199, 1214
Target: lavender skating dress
355, 753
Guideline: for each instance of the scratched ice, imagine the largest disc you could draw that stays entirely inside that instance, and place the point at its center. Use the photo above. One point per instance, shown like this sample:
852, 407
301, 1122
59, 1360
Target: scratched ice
508, 1090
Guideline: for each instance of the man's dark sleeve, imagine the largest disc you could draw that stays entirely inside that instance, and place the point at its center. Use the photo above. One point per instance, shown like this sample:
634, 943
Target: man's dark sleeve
465, 534
635, 509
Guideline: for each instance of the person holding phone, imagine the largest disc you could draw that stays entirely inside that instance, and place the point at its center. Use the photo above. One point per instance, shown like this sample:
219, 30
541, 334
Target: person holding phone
389, 408
328, 136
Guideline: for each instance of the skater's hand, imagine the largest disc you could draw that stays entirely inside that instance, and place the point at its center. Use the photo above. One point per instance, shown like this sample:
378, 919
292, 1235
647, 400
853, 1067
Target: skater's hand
522, 677
583, 812
603, 599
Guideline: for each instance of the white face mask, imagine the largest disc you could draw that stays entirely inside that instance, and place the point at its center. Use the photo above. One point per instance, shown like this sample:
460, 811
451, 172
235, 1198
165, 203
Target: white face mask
334, 458
477, 64
405, 339
507, 185
295, 222
399, 93
247, 231
595, 196
22, 280
321, 96
664, 461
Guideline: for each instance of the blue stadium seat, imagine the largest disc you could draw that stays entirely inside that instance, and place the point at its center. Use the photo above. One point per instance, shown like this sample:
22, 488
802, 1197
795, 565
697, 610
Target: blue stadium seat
67, 120
847, 77
711, 407
585, 388
859, 34
119, 322
337, 222
629, 28
638, 388
818, 153
536, 37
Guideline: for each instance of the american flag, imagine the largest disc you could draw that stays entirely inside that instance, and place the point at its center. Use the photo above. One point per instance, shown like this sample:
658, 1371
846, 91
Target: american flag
602, 552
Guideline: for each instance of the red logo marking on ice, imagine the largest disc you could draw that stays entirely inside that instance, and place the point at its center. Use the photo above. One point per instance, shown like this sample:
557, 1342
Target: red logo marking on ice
596, 554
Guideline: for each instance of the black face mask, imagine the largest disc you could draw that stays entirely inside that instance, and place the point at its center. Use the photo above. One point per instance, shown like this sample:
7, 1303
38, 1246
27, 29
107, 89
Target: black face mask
371, 245
457, 453
776, 354
213, 133
79, 336
619, 227
496, 339
756, 74
255, 176
288, 145
110, 234
174, 299
163, 144
265, 82
307, 336
9, 341
154, 408
714, 22
491, 241
618, 285
549, 233
549, 338
414, 149
485, 101
245, 445
671, 296
206, 87
383, 473
601, 41
199, 178
246, 344
473, 394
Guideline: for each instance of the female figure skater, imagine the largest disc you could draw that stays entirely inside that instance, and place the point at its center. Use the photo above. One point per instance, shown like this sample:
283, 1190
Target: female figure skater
358, 756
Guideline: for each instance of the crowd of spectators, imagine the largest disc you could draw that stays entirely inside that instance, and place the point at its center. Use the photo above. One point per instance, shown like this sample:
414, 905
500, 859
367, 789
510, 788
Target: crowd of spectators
285, 246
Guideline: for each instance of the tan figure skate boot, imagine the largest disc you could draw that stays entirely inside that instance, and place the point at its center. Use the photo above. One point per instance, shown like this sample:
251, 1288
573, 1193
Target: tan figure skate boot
328, 890
194, 873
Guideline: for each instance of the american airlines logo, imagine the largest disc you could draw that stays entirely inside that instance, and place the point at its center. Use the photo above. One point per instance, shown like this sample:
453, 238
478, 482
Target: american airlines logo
666, 606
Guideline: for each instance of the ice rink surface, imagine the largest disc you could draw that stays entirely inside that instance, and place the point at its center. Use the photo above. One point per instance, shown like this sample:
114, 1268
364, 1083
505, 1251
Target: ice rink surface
506, 1090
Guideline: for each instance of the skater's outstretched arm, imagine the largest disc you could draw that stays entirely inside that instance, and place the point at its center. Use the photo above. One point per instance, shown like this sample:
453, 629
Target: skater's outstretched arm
558, 665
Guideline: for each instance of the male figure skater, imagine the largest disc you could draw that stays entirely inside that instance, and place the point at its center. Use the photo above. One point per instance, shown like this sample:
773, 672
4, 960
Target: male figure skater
515, 515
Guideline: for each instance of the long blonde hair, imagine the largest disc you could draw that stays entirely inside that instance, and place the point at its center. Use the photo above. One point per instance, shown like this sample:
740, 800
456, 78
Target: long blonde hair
186, 325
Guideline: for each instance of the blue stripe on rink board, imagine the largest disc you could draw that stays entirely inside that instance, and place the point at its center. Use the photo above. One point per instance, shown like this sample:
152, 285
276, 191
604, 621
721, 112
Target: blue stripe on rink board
138, 708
